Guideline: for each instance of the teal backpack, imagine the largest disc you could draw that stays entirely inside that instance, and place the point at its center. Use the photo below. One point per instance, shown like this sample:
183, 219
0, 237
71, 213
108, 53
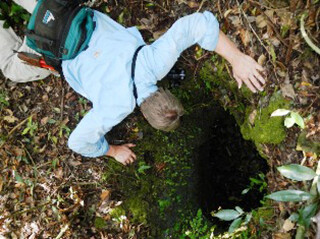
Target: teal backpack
60, 30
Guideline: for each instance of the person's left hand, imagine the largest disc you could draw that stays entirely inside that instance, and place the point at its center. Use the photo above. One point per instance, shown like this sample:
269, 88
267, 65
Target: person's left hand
247, 70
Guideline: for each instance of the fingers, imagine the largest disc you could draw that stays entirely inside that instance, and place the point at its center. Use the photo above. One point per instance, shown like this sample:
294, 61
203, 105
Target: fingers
259, 77
250, 86
255, 82
239, 81
130, 158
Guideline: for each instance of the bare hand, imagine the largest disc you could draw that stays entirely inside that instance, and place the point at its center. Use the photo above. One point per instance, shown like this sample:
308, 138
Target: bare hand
247, 70
122, 153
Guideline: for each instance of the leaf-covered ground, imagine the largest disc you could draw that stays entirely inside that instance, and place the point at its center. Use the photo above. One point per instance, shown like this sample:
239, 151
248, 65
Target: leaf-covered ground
47, 191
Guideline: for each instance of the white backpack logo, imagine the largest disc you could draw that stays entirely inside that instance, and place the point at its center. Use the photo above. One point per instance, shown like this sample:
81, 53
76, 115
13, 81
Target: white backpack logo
48, 17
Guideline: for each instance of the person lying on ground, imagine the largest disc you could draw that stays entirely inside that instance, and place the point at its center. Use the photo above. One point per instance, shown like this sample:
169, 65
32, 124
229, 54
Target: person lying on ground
102, 74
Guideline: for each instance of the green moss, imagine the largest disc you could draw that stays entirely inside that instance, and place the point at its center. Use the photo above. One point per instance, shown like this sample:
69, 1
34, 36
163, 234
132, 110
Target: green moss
99, 223
266, 129
262, 214
117, 212
139, 209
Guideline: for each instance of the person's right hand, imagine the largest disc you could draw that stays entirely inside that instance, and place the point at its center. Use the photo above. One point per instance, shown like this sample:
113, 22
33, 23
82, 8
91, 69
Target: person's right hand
247, 70
122, 153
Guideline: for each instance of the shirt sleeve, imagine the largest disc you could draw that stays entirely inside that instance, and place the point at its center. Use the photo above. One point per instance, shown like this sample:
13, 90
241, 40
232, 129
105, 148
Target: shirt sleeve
88, 137
200, 28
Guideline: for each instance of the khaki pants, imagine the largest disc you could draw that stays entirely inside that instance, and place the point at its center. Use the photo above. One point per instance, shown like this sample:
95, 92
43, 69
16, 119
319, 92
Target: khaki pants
10, 65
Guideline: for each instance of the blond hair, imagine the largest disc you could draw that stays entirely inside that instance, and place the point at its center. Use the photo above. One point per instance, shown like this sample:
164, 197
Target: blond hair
162, 110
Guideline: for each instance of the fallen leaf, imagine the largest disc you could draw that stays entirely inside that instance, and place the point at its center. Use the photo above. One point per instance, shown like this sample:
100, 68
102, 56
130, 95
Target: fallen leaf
245, 36
226, 13
261, 21
287, 89
288, 225
235, 20
262, 59
74, 163
281, 235
10, 119
44, 120
59, 173
105, 195
193, 4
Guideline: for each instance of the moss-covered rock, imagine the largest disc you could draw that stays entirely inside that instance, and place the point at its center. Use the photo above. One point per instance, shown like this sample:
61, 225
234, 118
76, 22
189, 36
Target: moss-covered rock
263, 128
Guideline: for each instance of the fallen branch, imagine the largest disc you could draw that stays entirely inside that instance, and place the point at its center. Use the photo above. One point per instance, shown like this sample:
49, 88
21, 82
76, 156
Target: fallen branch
305, 35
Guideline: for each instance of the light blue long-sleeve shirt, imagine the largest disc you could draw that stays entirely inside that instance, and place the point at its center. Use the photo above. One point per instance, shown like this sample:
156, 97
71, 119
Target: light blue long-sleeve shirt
102, 73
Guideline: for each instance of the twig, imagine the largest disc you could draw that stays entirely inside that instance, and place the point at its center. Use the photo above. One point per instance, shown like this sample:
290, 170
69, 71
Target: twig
201, 5
63, 230
15, 128
305, 35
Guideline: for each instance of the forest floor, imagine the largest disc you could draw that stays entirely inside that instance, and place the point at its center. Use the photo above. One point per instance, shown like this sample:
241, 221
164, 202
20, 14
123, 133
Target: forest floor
47, 191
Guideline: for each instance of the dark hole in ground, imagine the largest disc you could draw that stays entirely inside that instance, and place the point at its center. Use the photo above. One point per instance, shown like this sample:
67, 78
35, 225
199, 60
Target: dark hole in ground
225, 164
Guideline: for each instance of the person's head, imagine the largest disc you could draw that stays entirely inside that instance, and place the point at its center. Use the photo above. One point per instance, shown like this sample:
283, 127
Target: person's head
162, 110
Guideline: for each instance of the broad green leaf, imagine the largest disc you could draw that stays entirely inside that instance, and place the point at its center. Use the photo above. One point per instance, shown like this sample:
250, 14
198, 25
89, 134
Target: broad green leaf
289, 122
248, 218
239, 209
318, 185
280, 112
297, 119
297, 172
290, 196
234, 225
227, 214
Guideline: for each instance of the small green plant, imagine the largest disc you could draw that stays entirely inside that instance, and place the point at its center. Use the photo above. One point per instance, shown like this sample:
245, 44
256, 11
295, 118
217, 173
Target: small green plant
238, 216
3, 99
198, 227
293, 118
12, 14
303, 216
259, 181
64, 128
31, 127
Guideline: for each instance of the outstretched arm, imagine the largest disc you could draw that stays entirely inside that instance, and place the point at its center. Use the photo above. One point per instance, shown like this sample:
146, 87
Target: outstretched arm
203, 29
